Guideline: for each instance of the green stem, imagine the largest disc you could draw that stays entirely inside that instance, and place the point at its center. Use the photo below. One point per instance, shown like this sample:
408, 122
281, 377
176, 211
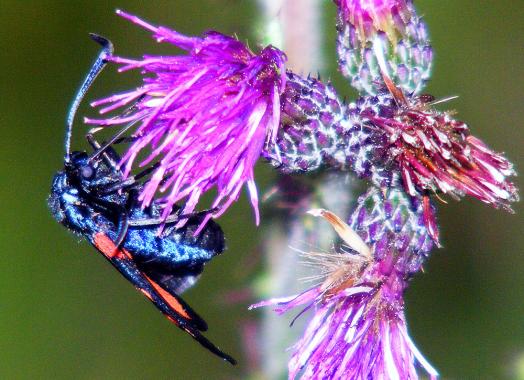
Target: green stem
296, 27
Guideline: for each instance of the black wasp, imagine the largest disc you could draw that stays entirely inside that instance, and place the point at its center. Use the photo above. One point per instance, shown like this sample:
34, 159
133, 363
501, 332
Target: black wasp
91, 197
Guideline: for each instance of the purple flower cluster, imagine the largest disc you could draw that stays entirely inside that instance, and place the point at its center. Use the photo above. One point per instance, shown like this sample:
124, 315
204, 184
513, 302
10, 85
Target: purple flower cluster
202, 120
398, 140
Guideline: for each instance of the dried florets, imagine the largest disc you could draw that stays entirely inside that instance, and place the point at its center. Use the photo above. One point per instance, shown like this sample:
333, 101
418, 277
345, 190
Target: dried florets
434, 152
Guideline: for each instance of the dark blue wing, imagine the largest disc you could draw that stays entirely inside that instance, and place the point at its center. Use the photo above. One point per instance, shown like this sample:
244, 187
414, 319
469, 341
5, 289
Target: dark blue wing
171, 305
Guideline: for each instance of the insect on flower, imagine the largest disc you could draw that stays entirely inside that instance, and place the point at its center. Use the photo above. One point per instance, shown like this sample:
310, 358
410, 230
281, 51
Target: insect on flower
204, 117
91, 197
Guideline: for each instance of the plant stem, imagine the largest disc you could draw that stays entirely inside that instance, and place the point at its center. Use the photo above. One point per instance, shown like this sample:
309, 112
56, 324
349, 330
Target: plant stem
296, 27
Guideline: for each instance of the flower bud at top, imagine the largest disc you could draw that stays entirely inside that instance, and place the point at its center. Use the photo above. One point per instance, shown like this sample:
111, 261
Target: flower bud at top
376, 36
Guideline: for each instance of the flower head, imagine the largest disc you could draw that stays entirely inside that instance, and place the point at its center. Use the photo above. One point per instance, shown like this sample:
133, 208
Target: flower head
372, 16
204, 117
358, 333
358, 330
435, 153
376, 36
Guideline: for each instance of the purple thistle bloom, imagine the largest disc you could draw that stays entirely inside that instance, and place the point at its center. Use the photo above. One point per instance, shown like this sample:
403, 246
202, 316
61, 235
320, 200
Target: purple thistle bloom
205, 117
371, 31
372, 16
358, 329
358, 333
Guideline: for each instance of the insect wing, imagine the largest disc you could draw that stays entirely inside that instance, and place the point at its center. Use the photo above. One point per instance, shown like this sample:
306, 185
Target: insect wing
170, 304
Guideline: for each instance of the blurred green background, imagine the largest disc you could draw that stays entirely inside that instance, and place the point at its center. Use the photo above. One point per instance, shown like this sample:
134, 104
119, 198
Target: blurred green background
65, 313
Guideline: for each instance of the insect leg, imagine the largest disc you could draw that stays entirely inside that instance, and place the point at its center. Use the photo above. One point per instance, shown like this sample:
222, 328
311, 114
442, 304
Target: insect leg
123, 224
109, 156
103, 149
119, 212
173, 218
125, 140
128, 183
117, 138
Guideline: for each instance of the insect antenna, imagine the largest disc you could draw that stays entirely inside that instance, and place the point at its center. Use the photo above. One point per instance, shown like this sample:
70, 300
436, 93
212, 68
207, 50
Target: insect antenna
111, 141
96, 68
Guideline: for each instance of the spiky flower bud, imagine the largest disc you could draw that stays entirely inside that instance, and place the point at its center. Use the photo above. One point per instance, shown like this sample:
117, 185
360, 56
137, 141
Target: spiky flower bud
318, 130
392, 221
376, 36
310, 125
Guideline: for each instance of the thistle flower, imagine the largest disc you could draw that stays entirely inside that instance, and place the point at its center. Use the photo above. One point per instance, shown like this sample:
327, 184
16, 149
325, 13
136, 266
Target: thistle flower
433, 152
358, 330
358, 333
372, 16
382, 35
205, 117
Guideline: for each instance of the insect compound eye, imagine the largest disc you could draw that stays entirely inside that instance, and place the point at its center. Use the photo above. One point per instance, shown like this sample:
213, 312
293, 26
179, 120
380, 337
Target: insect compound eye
87, 172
